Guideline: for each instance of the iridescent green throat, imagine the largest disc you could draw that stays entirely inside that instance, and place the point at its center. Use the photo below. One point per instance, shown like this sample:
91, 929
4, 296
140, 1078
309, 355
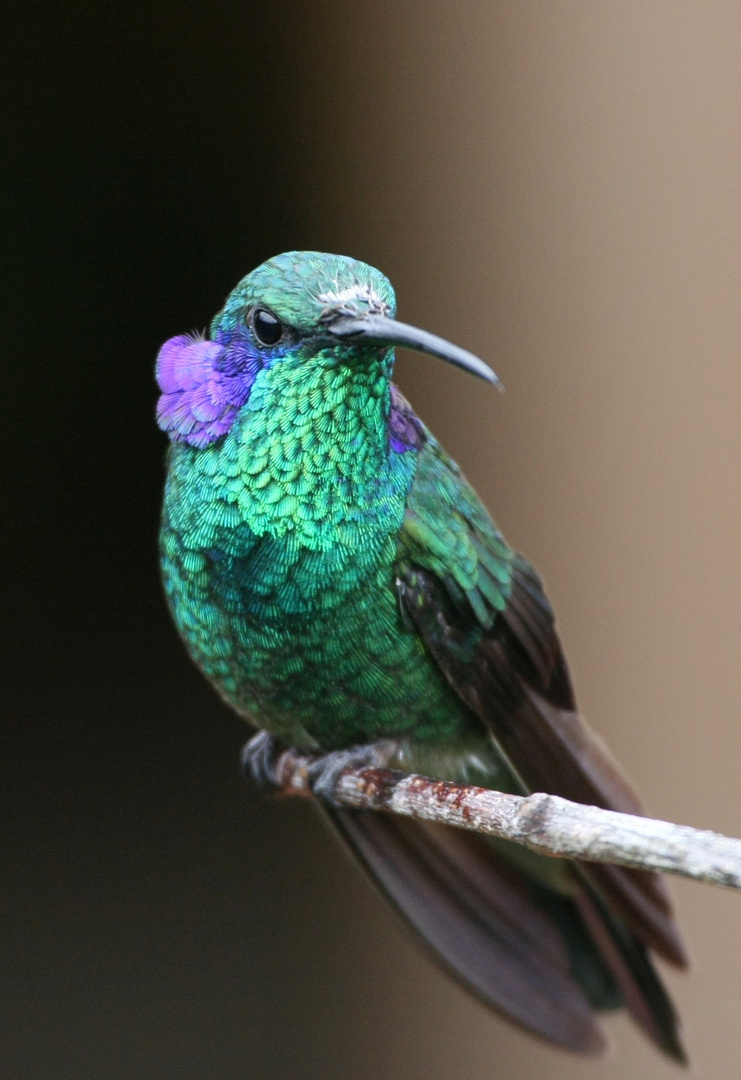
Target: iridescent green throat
286, 531
312, 447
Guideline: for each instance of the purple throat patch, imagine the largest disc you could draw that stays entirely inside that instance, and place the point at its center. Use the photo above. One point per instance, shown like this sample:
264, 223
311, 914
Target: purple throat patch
205, 383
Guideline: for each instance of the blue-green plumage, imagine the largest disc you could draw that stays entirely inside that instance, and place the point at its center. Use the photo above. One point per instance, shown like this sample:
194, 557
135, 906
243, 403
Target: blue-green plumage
340, 583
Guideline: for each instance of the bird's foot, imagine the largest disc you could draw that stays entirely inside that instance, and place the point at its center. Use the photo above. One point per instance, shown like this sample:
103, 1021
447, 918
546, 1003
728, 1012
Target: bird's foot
325, 771
259, 759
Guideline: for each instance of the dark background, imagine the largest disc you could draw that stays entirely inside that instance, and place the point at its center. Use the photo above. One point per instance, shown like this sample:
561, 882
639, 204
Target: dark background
556, 186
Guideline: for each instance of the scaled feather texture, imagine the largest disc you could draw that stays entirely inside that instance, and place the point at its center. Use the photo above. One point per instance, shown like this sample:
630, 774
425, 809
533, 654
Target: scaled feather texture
341, 585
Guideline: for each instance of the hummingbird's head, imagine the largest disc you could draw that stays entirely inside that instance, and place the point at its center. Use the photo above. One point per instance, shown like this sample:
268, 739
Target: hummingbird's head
291, 299
306, 324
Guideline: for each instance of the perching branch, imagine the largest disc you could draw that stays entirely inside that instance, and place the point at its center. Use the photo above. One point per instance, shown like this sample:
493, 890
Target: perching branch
544, 823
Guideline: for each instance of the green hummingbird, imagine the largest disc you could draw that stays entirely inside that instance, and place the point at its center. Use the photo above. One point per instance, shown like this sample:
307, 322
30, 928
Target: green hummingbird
343, 588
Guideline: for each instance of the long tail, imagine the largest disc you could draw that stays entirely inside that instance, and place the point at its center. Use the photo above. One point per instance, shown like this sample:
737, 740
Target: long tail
546, 961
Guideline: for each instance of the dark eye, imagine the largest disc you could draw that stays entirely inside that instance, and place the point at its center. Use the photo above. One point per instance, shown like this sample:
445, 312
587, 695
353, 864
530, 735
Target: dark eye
268, 330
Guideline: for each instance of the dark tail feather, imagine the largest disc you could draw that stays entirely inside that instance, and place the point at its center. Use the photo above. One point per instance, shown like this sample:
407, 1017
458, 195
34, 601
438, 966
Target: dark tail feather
542, 959
480, 917
563, 756
643, 992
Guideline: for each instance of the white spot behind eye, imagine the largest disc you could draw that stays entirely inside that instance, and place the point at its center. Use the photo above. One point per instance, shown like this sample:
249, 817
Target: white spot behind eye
351, 297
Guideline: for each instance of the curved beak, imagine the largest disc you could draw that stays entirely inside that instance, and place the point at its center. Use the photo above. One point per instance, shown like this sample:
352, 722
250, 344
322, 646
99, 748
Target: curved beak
385, 331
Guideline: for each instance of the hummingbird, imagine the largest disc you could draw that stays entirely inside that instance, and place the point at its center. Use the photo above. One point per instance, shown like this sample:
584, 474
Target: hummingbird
343, 588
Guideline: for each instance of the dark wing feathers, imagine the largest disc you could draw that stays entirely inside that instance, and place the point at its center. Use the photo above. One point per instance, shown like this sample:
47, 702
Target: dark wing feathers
549, 746
483, 615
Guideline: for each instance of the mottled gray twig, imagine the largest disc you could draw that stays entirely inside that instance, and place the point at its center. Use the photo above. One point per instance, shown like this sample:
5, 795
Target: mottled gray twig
544, 823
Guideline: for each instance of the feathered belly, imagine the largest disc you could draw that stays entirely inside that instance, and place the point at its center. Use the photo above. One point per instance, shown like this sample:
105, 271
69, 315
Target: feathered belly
316, 654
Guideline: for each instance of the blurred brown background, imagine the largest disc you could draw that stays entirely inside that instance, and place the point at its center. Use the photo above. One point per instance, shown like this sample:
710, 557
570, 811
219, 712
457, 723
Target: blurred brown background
554, 185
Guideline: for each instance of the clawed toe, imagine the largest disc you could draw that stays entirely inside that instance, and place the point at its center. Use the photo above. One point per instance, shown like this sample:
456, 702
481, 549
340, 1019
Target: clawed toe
261, 754
259, 759
324, 773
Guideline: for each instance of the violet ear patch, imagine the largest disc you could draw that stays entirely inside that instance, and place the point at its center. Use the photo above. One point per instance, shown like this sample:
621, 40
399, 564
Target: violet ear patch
203, 384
